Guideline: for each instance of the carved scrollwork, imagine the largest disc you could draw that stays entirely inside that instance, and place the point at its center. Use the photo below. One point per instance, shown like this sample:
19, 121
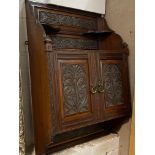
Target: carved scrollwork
112, 84
75, 88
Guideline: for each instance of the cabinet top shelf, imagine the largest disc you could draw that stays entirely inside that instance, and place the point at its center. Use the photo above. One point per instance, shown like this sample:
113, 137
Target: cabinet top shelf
50, 29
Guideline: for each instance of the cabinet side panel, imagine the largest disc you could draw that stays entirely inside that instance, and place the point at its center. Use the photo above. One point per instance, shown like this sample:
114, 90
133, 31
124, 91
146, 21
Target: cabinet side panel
39, 84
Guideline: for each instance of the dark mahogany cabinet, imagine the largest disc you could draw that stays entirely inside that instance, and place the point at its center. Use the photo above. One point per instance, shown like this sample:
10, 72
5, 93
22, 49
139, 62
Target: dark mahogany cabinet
79, 76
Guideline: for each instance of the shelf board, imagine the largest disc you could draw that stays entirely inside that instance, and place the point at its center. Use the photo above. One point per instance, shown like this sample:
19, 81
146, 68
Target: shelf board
49, 29
97, 33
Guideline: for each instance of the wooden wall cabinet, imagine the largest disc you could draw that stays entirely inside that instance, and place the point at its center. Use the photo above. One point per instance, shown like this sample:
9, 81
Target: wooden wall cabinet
79, 76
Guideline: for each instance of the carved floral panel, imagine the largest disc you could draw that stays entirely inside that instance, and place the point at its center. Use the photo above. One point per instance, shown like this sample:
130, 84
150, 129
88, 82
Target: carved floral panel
112, 84
75, 88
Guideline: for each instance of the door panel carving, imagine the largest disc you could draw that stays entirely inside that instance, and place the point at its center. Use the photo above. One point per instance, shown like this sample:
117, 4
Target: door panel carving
75, 83
113, 88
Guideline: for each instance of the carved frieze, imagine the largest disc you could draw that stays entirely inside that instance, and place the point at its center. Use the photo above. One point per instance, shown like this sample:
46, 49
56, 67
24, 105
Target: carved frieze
112, 84
75, 88
60, 19
62, 43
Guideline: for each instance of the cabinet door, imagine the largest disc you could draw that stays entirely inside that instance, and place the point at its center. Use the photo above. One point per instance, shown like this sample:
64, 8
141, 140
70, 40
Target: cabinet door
112, 88
75, 76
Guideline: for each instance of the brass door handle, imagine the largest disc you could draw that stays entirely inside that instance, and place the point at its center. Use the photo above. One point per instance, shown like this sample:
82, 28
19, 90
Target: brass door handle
93, 89
100, 87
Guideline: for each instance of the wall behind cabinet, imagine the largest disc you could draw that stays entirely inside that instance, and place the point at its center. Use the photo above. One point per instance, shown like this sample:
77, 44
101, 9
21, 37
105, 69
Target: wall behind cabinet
97, 6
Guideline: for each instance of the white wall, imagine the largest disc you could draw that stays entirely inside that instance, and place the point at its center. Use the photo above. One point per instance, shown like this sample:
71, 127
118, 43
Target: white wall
97, 6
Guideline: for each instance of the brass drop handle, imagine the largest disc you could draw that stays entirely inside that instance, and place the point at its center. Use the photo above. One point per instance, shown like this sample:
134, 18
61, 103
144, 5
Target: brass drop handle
93, 89
100, 87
